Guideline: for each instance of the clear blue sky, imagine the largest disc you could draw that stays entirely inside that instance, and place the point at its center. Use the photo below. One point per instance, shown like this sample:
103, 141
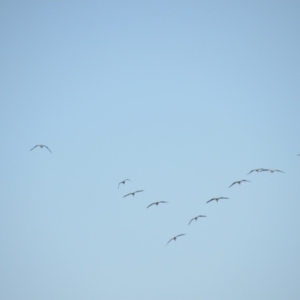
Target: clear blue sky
183, 98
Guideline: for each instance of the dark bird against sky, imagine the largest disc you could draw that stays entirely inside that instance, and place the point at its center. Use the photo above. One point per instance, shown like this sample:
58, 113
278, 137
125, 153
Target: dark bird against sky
195, 218
216, 199
133, 193
239, 182
156, 203
256, 170
123, 182
41, 146
174, 238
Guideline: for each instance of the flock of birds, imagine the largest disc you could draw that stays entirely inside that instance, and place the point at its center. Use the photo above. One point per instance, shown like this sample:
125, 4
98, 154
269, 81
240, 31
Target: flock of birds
210, 200
123, 182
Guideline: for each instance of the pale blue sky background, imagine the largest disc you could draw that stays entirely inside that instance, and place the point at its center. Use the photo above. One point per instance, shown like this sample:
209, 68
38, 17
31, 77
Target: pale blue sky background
183, 98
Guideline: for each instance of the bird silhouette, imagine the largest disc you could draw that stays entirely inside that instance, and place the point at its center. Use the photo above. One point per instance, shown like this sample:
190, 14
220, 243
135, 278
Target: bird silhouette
239, 182
157, 203
256, 170
41, 146
217, 199
123, 182
195, 218
133, 193
174, 238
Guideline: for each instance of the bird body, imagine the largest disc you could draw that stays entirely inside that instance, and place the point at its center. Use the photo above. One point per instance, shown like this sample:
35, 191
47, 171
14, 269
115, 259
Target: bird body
174, 238
156, 203
195, 218
216, 199
239, 182
133, 193
41, 146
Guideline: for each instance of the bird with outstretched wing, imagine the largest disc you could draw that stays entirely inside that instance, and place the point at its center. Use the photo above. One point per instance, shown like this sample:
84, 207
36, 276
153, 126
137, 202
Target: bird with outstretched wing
156, 203
123, 182
239, 182
174, 238
133, 193
195, 218
216, 199
41, 146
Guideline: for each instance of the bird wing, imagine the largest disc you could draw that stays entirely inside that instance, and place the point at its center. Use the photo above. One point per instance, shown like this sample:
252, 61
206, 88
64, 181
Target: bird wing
245, 180
201, 216
191, 221
34, 147
278, 171
151, 204
139, 191
251, 172
48, 149
179, 235
233, 183
223, 198
163, 202
169, 241
127, 195
210, 200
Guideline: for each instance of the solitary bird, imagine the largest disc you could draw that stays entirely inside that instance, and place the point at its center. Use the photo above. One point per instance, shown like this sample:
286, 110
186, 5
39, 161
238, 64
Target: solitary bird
239, 182
174, 238
217, 199
256, 170
156, 203
195, 218
123, 182
41, 146
133, 193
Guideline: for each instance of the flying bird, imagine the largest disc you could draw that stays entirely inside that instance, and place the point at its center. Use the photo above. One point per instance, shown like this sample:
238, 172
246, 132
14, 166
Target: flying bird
195, 218
123, 182
41, 146
217, 199
174, 238
239, 182
256, 170
133, 193
156, 203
